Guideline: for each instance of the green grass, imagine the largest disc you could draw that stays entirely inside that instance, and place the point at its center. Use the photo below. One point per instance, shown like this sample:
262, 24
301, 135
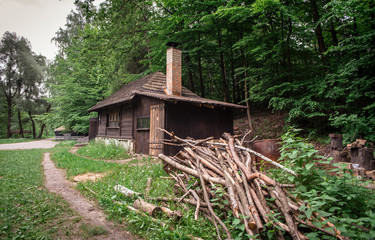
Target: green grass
27, 210
135, 177
68, 143
90, 231
76, 165
15, 140
99, 150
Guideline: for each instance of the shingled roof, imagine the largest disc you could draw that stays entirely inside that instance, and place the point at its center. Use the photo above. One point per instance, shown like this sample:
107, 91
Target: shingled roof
153, 85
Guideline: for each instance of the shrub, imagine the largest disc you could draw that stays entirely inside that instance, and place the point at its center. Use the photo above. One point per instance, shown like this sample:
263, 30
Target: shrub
341, 197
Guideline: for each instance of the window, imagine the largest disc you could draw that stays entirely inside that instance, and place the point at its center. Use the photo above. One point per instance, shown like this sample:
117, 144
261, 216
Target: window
143, 123
114, 120
114, 117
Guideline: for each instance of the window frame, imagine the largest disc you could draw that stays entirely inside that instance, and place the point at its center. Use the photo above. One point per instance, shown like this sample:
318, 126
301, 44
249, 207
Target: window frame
113, 119
145, 123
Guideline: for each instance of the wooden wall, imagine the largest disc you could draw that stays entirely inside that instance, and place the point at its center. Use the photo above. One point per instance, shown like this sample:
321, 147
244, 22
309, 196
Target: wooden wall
141, 108
126, 117
102, 124
125, 128
114, 131
184, 119
188, 120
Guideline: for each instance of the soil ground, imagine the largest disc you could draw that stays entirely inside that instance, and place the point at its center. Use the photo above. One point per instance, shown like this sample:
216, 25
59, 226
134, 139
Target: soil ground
266, 125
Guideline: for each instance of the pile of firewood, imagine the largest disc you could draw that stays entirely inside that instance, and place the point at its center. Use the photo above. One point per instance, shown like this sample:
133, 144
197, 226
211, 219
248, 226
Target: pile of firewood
221, 177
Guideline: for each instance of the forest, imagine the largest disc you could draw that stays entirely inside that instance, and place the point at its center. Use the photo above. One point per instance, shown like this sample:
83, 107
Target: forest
313, 59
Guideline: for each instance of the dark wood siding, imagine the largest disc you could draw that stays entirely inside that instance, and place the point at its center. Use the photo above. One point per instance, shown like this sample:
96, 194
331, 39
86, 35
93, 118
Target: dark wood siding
113, 131
127, 121
93, 128
188, 120
102, 125
141, 107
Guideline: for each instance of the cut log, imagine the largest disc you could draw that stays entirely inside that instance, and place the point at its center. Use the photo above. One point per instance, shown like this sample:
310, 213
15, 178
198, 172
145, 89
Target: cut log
190, 171
146, 207
126, 191
371, 174
170, 213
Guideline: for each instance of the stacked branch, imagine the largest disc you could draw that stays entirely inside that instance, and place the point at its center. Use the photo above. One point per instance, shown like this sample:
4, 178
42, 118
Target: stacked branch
225, 179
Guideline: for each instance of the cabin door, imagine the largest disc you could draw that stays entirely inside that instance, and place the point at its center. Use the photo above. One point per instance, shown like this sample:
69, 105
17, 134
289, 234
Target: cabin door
157, 120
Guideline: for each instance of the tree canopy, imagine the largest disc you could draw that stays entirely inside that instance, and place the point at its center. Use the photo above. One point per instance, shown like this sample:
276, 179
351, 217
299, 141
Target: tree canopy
22, 74
314, 59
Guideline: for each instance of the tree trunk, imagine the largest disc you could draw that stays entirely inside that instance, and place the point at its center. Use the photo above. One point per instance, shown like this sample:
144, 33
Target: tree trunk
41, 130
201, 85
332, 29
222, 68
247, 93
318, 30
189, 72
32, 124
20, 123
288, 55
44, 125
9, 122
234, 81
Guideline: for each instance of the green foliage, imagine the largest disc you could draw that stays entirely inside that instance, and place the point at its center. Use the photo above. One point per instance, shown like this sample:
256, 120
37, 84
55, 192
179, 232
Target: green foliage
22, 75
309, 58
27, 209
341, 197
135, 177
78, 165
100, 150
91, 230
355, 126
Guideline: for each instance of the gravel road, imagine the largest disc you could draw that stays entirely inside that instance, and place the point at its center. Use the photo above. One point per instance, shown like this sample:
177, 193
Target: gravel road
45, 143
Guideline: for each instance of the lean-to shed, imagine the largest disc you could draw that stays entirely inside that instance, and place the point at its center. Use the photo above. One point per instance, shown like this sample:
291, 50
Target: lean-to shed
134, 113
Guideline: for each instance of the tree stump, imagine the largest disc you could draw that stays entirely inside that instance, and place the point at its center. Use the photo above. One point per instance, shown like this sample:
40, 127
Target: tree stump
336, 148
362, 156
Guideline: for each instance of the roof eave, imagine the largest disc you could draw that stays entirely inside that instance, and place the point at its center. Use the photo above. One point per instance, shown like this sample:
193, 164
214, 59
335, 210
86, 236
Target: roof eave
95, 109
191, 100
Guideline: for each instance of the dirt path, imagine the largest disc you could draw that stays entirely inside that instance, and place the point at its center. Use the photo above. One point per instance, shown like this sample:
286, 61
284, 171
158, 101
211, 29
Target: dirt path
45, 143
57, 183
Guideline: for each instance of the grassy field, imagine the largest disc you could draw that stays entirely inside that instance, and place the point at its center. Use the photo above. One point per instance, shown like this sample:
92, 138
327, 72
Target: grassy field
135, 177
15, 140
27, 210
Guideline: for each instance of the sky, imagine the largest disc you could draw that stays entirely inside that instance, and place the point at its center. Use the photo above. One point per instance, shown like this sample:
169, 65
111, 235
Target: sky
36, 20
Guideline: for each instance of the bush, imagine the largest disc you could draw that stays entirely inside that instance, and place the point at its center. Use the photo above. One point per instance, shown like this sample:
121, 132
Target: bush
340, 197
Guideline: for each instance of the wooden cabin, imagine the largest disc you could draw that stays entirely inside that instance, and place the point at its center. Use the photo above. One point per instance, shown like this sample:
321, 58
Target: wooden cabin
134, 114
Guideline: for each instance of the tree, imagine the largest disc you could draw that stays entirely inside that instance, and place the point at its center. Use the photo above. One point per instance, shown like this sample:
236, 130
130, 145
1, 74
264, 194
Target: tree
99, 51
20, 73
311, 58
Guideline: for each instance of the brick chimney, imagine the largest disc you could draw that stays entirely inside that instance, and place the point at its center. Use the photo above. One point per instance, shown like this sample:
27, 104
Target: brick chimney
173, 70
